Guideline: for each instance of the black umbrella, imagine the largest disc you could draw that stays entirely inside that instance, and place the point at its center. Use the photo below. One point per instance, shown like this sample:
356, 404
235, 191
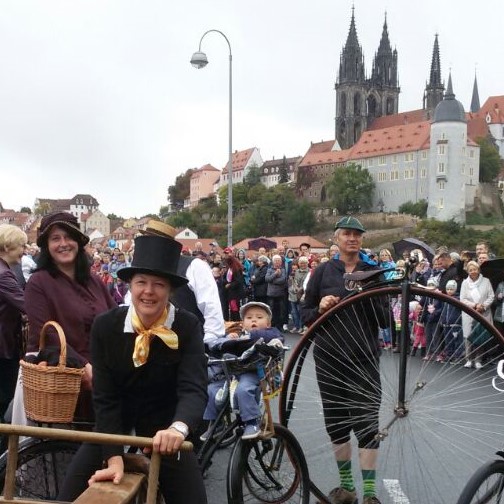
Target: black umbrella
493, 269
409, 244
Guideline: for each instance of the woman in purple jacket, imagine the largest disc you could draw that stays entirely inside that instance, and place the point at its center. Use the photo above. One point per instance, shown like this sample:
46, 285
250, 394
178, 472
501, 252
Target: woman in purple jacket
12, 242
62, 289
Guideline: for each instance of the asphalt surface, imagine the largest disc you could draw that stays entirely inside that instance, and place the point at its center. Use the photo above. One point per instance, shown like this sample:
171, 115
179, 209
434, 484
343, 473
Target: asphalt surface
427, 457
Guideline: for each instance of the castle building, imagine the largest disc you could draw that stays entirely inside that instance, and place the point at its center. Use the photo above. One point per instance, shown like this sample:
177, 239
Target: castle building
410, 159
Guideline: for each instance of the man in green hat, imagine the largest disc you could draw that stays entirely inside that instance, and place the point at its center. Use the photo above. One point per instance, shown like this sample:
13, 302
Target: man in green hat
347, 363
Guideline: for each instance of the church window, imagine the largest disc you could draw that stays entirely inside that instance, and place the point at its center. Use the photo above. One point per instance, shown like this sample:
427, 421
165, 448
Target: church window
424, 155
394, 159
381, 160
423, 173
441, 185
266, 171
357, 104
408, 157
343, 104
394, 175
471, 171
441, 168
441, 149
471, 153
443, 136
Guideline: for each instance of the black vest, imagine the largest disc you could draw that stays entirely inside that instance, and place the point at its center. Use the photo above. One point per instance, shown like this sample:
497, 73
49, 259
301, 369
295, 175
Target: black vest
184, 297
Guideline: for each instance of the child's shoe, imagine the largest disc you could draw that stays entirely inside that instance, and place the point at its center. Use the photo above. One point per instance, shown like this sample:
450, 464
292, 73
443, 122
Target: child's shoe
413, 351
252, 429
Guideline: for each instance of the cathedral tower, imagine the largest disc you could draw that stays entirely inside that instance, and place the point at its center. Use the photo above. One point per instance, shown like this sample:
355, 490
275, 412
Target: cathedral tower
384, 90
434, 89
351, 90
359, 100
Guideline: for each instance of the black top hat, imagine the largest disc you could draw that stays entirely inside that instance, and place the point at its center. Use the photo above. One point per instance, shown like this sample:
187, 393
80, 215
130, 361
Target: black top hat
156, 256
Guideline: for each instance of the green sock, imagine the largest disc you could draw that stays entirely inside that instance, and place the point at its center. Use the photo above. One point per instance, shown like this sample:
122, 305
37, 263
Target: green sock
345, 473
369, 479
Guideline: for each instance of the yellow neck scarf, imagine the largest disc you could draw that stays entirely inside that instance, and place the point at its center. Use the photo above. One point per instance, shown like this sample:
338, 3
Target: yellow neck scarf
144, 338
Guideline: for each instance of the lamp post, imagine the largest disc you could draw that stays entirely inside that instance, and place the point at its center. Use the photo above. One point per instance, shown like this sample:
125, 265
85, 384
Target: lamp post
199, 60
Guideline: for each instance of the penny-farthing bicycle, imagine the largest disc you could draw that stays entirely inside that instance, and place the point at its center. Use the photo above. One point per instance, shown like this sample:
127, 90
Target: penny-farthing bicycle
437, 420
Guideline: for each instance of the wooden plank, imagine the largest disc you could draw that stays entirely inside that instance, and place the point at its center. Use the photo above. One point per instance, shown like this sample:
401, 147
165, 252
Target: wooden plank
10, 472
105, 492
82, 437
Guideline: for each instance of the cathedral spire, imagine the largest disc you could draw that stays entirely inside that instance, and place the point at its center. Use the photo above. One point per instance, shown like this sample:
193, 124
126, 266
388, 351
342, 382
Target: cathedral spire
435, 88
352, 59
384, 72
435, 71
475, 102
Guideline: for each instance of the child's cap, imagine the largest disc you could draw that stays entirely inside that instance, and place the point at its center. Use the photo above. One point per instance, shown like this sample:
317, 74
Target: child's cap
451, 284
263, 306
432, 282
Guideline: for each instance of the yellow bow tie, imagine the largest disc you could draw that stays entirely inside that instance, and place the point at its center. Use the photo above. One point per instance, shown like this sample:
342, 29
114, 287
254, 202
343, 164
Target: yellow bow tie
144, 338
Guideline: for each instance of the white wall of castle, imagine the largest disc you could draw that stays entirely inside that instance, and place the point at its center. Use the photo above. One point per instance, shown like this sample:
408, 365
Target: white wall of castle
497, 131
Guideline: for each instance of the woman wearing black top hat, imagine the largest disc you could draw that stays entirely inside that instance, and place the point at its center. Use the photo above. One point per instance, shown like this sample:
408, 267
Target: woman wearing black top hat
149, 375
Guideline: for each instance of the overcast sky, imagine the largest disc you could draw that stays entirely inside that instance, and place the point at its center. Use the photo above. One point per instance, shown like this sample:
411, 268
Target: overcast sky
98, 96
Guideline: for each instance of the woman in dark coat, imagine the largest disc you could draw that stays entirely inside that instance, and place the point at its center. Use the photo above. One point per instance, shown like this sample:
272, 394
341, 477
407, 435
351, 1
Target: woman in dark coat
234, 287
12, 307
149, 375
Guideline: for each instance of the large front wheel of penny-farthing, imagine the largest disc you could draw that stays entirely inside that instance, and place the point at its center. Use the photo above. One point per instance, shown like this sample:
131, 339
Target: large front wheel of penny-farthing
449, 422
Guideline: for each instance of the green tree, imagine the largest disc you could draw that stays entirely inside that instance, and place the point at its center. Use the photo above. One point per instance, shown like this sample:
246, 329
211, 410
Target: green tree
180, 191
113, 216
240, 197
26, 209
182, 219
253, 176
490, 162
419, 208
164, 211
351, 189
298, 219
283, 172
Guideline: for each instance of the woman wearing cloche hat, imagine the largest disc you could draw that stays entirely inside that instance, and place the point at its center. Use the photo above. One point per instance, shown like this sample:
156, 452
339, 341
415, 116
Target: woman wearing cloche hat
63, 289
351, 396
149, 375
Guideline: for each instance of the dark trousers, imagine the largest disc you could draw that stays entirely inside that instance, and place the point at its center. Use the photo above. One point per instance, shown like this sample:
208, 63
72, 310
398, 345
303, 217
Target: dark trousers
180, 480
277, 305
8, 376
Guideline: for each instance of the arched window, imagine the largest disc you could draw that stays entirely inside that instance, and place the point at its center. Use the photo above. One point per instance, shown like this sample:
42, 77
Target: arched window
372, 108
357, 104
343, 106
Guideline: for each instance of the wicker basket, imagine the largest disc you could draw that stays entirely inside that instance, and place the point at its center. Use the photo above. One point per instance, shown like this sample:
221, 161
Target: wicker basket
51, 392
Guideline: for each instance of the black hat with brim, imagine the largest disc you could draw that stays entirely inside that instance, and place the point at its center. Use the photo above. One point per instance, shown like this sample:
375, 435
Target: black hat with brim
157, 256
64, 220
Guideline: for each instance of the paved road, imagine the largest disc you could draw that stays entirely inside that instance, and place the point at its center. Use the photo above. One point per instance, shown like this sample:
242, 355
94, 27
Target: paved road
447, 433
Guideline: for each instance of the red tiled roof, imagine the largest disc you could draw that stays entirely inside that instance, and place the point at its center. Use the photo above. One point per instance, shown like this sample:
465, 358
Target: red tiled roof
476, 126
401, 119
324, 146
405, 138
240, 159
494, 106
318, 158
207, 167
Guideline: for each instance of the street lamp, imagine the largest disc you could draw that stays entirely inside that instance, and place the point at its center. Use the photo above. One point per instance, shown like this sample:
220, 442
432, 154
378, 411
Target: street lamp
199, 60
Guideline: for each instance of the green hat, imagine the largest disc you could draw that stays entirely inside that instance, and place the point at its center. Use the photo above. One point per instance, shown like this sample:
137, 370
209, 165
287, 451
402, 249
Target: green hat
350, 222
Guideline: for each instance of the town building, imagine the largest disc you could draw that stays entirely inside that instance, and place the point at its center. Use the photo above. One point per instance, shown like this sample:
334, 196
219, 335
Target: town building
96, 221
271, 170
202, 184
242, 161
79, 205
